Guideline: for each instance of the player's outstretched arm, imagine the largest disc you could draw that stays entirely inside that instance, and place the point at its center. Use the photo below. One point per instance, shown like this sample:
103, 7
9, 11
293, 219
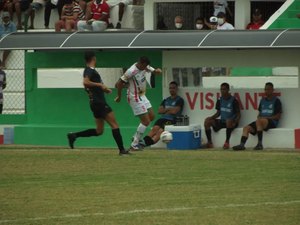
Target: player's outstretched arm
119, 85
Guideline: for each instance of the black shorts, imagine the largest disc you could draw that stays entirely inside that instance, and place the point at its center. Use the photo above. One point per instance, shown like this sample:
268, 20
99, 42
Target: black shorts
1, 108
163, 122
219, 124
100, 110
271, 125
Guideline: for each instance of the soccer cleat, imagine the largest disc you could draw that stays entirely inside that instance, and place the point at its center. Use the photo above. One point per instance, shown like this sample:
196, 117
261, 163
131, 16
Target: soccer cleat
238, 148
72, 139
124, 152
135, 148
119, 26
258, 147
226, 145
208, 145
142, 144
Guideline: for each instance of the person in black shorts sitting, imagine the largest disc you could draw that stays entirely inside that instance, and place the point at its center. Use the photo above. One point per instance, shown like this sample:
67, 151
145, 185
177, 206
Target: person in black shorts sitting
228, 109
102, 111
269, 113
170, 108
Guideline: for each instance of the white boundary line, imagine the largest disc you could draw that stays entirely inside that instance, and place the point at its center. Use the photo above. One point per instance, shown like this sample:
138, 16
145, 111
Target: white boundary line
137, 211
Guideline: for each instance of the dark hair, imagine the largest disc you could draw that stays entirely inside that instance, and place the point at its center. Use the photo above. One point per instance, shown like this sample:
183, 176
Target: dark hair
68, 2
88, 56
225, 85
199, 18
144, 60
269, 84
174, 82
221, 15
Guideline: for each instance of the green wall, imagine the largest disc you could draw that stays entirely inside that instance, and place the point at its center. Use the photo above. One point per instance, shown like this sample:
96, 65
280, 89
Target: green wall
51, 113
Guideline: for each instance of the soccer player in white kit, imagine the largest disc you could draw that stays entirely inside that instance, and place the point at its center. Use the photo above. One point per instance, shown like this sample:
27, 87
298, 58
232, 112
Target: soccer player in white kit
135, 81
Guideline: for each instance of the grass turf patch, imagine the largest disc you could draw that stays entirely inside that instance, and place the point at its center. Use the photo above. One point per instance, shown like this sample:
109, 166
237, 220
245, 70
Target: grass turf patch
88, 186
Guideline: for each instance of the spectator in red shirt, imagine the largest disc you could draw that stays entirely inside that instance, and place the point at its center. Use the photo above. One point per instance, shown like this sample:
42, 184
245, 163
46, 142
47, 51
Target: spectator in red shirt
257, 22
97, 14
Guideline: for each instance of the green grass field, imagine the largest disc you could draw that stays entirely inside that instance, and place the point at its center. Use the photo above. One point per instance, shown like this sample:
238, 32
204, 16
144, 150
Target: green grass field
87, 186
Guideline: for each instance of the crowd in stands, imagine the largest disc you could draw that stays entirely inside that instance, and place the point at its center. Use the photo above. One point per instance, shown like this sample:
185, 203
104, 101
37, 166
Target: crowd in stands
73, 14
94, 15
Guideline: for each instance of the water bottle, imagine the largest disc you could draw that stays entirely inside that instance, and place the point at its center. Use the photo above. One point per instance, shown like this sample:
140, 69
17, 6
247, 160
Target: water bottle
186, 120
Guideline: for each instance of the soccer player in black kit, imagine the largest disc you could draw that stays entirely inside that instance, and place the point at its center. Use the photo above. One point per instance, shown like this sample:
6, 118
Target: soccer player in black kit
102, 111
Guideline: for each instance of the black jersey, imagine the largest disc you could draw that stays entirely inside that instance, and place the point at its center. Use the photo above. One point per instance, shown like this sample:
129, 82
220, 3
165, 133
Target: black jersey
96, 94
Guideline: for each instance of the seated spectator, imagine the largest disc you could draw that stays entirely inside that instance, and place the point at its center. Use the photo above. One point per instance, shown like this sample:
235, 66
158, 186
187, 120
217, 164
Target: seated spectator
200, 24
35, 6
269, 114
170, 108
257, 22
4, 5
18, 6
122, 4
71, 13
212, 24
96, 19
222, 23
178, 21
2, 87
6, 27
228, 109
52, 4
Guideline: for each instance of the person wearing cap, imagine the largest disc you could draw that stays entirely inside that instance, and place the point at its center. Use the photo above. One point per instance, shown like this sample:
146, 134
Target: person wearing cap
257, 21
222, 23
7, 26
212, 24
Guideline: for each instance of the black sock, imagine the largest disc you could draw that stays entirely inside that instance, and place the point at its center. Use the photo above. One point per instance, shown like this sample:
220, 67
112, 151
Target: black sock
208, 135
243, 140
118, 138
148, 141
260, 136
228, 134
87, 133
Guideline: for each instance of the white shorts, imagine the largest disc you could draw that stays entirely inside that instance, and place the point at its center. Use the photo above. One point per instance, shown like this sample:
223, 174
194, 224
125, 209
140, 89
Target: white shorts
140, 107
112, 3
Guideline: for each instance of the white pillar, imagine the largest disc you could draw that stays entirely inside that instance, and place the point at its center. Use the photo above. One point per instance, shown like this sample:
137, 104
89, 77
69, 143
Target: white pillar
149, 15
242, 13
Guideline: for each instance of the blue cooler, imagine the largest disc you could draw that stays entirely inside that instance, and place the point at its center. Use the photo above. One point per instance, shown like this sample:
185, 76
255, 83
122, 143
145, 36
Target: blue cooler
8, 134
185, 137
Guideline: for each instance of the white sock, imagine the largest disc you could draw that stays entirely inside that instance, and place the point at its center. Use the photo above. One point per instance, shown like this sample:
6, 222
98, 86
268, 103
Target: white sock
139, 134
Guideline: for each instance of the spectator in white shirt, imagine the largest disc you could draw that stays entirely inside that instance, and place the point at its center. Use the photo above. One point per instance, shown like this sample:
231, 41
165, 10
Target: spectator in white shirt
222, 23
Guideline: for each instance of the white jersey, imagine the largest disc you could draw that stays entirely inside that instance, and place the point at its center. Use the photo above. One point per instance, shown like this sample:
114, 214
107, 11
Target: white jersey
136, 80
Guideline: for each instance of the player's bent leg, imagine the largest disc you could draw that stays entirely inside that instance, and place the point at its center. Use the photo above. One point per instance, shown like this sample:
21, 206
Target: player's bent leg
151, 114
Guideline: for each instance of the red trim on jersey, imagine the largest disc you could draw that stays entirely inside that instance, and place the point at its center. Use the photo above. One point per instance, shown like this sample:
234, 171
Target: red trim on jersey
135, 92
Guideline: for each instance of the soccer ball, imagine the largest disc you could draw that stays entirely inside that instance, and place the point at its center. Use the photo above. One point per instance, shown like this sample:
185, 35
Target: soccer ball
166, 137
